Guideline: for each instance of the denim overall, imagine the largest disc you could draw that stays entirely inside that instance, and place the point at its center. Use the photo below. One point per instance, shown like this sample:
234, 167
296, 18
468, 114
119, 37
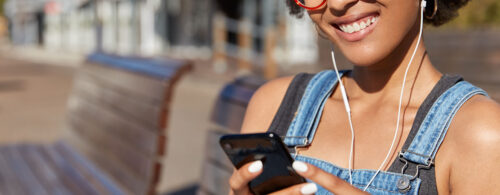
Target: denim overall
422, 150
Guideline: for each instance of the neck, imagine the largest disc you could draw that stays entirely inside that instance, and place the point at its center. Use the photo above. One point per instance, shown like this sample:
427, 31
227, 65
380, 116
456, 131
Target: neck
384, 79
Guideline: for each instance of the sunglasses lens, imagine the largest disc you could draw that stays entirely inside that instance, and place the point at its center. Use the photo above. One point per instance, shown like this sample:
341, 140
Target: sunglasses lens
311, 4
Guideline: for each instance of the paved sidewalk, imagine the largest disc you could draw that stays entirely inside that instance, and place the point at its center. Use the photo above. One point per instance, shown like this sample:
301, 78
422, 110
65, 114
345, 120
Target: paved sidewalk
41, 55
32, 99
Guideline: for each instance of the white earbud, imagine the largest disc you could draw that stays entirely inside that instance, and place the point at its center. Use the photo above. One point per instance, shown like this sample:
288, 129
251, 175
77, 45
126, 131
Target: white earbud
342, 88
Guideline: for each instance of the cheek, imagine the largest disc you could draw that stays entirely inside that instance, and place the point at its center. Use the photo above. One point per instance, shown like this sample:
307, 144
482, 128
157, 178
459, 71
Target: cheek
315, 18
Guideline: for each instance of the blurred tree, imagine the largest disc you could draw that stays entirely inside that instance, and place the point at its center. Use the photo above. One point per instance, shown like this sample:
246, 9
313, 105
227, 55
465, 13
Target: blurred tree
478, 14
493, 13
1, 6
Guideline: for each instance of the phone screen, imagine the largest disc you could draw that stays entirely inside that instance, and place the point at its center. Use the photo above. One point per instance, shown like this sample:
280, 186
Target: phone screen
277, 170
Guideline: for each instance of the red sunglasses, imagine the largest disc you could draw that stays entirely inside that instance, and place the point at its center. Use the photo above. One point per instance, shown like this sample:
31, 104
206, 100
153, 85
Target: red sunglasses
311, 4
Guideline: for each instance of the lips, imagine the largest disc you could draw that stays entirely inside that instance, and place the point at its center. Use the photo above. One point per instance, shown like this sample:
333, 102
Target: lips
355, 27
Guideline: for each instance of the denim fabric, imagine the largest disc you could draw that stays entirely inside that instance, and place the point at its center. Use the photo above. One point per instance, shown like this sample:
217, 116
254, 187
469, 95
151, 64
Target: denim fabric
385, 183
424, 147
303, 127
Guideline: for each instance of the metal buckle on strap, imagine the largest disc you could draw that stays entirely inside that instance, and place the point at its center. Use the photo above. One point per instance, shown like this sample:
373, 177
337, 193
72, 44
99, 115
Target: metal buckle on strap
305, 144
404, 182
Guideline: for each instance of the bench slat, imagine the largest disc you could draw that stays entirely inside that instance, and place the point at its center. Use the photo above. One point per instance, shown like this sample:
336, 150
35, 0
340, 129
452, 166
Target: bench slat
135, 162
128, 105
231, 105
149, 88
217, 168
251, 82
155, 67
10, 182
113, 126
114, 168
43, 172
97, 179
216, 181
228, 115
68, 175
215, 153
20, 168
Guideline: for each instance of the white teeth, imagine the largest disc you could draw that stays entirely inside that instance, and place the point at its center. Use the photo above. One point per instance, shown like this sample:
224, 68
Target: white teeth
343, 28
350, 29
355, 27
363, 25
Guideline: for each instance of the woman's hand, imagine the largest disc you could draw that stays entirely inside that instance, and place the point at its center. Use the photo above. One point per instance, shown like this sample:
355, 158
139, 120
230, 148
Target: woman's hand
330, 182
241, 177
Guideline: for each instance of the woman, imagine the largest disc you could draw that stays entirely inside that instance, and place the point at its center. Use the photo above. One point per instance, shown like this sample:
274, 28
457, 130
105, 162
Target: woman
416, 130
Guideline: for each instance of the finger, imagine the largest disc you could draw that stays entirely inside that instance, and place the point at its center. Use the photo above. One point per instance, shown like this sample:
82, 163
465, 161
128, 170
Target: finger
303, 189
329, 181
241, 177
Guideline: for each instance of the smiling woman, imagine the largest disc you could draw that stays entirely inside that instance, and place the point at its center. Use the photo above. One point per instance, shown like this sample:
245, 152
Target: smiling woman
393, 124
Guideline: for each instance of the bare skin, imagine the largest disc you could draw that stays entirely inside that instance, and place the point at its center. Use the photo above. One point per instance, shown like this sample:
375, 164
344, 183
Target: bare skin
467, 161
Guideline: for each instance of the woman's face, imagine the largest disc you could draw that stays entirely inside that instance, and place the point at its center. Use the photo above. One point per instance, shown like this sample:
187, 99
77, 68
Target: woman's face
368, 31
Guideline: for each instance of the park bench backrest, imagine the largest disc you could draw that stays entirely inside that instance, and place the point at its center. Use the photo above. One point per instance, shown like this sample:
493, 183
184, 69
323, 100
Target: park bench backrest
227, 117
117, 115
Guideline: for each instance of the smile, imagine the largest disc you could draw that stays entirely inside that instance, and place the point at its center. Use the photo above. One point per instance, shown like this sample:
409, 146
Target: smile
358, 25
355, 27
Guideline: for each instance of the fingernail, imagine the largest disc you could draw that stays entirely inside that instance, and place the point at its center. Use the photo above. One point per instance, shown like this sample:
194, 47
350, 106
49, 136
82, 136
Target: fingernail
255, 166
309, 188
299, 166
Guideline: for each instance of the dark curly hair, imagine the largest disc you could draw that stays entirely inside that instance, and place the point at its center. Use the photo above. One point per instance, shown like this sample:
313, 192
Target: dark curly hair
447, 10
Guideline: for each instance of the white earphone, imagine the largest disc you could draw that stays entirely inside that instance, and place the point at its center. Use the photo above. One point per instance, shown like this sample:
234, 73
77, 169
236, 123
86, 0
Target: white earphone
348, 107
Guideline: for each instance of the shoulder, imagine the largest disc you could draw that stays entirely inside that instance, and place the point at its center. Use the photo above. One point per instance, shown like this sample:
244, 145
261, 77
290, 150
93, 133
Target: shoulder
477, 122
474, 141
264, 104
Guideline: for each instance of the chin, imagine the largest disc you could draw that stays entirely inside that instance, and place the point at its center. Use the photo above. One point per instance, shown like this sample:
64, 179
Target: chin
364, 57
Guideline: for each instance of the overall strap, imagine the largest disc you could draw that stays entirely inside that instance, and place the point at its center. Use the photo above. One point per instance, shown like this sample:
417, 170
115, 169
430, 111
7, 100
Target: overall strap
289, 104
433, 128
301, 130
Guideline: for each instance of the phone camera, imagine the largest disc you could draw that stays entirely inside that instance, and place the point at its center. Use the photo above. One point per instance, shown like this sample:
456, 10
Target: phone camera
228, 146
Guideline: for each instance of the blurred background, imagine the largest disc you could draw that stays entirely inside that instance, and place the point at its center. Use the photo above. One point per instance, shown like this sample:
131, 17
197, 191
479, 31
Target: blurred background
43, 43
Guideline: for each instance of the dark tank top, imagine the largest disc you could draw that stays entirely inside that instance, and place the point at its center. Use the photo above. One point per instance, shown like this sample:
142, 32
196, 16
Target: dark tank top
293, 96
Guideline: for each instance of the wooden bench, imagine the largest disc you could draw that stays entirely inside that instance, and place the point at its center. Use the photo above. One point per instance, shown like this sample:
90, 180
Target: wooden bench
116, 119
227, 117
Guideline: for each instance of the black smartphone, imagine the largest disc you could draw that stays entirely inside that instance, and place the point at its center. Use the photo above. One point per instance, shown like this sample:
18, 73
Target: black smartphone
277, 171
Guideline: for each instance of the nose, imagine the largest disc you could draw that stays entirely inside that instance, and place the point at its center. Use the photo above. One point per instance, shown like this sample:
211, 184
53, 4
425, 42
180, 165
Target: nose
340, 6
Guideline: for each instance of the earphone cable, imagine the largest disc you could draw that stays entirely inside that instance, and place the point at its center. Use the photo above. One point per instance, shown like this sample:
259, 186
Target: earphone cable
348, 110
401, 95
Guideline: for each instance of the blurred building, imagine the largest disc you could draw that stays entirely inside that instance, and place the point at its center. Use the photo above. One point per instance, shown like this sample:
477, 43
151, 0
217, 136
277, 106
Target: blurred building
25, 20
260, 34
250, 33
